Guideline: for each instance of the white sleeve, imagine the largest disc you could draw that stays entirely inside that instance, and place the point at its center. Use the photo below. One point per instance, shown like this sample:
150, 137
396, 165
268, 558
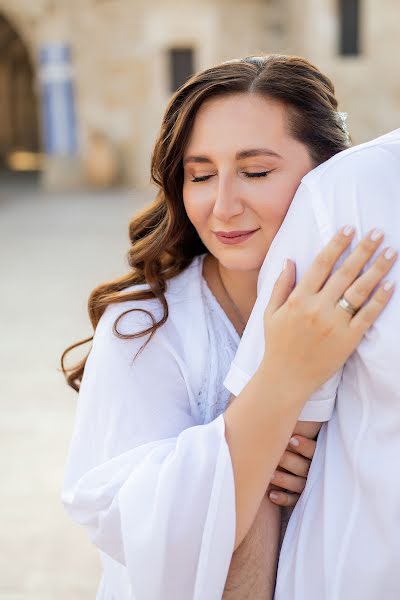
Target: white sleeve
299, 239
154, 490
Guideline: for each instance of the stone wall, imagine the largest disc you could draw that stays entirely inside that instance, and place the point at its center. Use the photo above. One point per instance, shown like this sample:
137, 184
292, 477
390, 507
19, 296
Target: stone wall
367, 85
120, 60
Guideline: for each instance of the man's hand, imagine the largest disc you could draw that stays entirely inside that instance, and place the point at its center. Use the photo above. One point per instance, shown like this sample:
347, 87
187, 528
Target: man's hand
290, 477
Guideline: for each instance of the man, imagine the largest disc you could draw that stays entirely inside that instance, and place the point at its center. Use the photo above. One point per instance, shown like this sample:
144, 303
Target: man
343, 538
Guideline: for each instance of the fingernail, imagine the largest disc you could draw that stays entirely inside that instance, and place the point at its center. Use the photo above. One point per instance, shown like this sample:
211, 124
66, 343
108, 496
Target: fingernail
348, 230
388, 286
294, 442
285, 263
389, 253
273, 475
375, 235
273, 496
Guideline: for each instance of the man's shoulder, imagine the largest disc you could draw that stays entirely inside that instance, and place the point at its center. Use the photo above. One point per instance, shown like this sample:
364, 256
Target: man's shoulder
361, 157
360, 185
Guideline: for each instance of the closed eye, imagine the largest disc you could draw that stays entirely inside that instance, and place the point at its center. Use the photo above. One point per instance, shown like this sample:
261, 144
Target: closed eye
248, 175
261, 174
202, 178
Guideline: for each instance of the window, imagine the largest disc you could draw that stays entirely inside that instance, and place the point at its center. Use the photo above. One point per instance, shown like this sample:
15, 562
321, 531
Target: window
349, 23
181, 66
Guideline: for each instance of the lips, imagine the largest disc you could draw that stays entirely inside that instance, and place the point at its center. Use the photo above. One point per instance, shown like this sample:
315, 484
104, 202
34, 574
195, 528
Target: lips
234, 237
233, 234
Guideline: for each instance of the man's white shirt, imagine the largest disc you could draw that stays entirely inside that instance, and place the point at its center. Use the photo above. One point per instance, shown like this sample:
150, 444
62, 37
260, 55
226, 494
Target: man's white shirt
343, 538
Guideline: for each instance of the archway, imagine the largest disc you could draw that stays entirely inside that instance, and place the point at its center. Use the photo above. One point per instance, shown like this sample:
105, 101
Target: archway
19, 127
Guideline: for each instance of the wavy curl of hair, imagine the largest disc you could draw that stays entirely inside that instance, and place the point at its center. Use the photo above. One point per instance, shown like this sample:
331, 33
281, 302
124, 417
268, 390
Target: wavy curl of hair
163, 240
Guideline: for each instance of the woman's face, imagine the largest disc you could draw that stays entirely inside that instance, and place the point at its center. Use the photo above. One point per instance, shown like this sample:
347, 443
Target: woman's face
241, 171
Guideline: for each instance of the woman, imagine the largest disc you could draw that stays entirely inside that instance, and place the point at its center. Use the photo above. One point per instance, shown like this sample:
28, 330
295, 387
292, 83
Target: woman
167, 477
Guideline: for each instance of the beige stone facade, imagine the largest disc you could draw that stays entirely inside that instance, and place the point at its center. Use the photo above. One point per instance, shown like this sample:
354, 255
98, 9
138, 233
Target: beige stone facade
120, 69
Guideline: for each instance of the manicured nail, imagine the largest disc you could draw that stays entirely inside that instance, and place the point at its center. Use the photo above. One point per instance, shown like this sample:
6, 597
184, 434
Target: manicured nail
294, 442
376, 235
348, 230
389, 253
387, 286
274, 496
285, 264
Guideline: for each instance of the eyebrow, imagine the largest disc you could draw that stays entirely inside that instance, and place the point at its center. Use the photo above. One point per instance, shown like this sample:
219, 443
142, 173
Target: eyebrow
239, 155
256, 152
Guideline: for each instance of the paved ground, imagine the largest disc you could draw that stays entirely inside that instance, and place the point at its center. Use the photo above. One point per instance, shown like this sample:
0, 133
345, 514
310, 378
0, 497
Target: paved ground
53, 250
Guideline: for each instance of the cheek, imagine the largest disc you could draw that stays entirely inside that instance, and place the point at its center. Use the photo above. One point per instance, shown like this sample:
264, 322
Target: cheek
273, 205
195, 205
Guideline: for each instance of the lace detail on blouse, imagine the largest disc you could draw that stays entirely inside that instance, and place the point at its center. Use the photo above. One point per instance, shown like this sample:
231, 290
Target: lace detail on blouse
223, 343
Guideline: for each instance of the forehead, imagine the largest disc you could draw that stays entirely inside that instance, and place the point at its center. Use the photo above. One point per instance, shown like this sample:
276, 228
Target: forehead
240, 120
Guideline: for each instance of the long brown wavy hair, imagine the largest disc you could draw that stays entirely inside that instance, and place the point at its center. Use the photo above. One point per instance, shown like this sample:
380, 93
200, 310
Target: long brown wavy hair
163, 240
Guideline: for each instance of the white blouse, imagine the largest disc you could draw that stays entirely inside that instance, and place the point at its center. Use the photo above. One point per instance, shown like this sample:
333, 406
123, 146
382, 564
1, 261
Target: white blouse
149, 474
223, 342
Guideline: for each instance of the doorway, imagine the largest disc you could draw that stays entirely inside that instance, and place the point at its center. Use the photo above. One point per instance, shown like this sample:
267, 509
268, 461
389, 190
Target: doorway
19, 126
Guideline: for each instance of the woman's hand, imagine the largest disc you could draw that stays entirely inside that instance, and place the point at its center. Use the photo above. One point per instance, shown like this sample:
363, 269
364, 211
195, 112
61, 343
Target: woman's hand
290, 477
308, 335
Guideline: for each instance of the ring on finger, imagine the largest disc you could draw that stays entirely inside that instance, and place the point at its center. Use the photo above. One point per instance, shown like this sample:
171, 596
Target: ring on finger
347, 306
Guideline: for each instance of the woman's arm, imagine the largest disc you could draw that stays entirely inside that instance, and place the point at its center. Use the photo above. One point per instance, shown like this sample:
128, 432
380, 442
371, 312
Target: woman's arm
309, 339
152, 487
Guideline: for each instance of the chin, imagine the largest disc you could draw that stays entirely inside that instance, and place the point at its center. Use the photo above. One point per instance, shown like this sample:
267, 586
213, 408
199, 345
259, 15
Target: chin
241, 260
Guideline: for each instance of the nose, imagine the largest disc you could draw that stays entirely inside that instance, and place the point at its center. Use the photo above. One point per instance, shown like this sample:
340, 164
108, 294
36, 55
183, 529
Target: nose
227, 201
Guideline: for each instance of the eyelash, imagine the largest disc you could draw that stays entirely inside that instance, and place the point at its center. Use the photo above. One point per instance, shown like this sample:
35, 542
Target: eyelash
248, 175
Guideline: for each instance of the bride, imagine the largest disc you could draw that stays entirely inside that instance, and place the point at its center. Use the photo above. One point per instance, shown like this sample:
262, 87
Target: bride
171, 480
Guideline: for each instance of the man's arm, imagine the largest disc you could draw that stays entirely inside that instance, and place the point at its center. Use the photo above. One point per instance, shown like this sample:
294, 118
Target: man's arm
252, 571
253, 566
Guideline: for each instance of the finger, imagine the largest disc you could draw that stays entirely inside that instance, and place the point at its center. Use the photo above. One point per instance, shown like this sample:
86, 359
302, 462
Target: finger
353, 265
362, 288
294, 463
317, 274
289, 482
303, 445
368, 314
283, 287
283, 498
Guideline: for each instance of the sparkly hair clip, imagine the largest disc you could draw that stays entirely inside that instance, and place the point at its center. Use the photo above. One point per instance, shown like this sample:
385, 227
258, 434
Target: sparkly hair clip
341, 118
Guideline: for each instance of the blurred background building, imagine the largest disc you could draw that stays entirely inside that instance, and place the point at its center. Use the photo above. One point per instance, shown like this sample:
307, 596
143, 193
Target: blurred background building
84, 83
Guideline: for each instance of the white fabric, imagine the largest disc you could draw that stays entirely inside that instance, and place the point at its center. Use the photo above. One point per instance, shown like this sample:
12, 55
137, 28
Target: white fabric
149, 472
223, 343
343, 538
